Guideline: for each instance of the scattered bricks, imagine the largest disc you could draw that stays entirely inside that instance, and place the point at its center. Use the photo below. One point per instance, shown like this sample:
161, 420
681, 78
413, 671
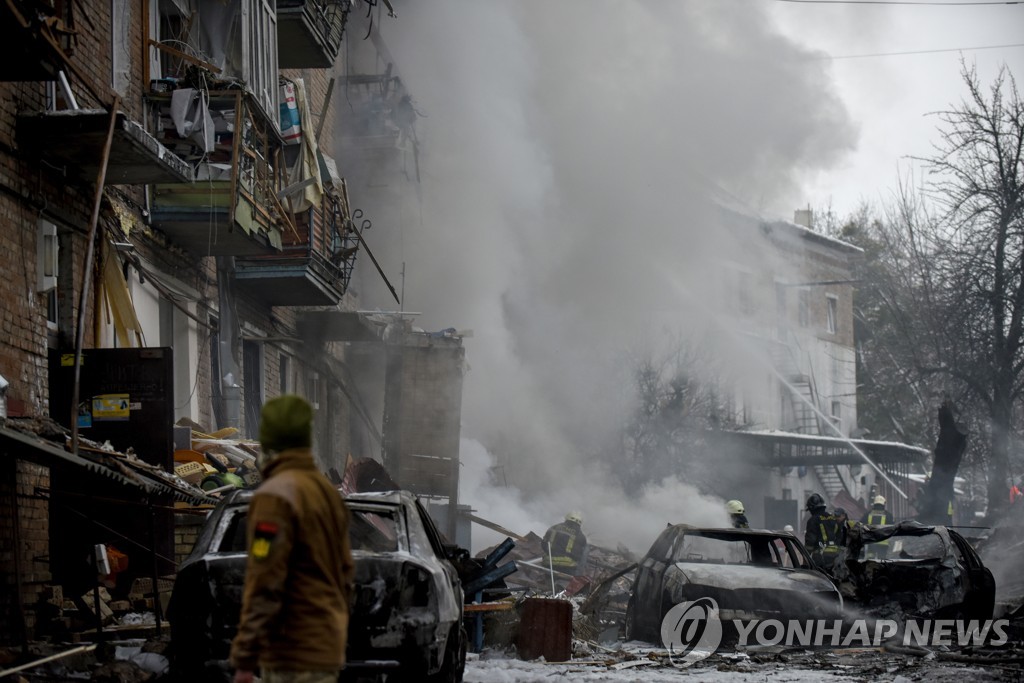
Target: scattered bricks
120, 606
106, 614
143, 604
53, 595
141, 587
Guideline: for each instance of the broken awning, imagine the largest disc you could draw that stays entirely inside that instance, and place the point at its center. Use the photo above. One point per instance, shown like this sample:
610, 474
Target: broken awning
26, 446
789, 449
73, 139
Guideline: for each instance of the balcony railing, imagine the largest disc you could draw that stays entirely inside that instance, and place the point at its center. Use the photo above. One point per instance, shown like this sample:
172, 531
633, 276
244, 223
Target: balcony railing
309, 32
315, 263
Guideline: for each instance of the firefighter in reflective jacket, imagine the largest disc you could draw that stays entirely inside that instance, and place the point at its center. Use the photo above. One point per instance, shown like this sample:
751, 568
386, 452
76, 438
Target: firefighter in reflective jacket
565, 546
823, 535
877, 516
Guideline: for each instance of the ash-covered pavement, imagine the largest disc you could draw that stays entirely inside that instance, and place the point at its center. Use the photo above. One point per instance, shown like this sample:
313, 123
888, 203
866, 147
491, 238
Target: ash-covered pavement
794, 666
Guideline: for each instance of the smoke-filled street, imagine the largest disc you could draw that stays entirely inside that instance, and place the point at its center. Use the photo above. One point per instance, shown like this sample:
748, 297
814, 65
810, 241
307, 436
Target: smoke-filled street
589, 340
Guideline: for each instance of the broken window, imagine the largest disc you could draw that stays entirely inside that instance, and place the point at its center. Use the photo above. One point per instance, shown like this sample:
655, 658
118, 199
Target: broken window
238, 37
373, 530
832, 323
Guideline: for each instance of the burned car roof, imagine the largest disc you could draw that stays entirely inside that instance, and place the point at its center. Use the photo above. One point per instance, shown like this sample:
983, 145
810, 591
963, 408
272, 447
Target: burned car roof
914, 569
749, 573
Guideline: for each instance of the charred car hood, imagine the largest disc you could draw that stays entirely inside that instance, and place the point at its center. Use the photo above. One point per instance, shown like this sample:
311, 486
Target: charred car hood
752, 576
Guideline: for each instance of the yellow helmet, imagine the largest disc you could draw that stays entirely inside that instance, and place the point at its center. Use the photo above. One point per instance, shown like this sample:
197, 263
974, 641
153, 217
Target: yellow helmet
575, 516
734, 507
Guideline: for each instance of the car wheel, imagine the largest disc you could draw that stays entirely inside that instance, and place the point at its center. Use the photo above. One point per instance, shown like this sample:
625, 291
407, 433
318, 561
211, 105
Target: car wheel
454, 663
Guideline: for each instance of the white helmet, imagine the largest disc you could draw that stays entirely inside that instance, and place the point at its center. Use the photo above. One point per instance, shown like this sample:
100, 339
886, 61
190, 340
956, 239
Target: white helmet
575, 516
788, 528
879, 500
734, 507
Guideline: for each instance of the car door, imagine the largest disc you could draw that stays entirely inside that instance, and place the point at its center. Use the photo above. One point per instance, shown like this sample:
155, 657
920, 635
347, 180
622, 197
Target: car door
647, 587
980, 593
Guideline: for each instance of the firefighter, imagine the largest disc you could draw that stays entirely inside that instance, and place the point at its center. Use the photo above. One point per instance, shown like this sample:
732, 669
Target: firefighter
845, 524
735, 509
823, 534
565, 546
877, 516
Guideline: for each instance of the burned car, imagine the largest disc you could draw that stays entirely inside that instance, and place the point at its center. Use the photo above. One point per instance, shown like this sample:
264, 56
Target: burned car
406, 612
917, 570
751, 574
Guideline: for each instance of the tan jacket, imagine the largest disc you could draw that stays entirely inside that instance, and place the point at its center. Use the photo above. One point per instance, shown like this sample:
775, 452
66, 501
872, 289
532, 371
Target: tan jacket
299, 572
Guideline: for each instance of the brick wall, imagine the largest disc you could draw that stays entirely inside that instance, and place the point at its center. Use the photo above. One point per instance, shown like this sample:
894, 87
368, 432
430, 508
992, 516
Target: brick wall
186, 531
24, 542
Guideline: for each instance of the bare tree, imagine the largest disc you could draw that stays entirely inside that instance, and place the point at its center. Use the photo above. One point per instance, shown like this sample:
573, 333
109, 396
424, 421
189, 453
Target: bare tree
969, 261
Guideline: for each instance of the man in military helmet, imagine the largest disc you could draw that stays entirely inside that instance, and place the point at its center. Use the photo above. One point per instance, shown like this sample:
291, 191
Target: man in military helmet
823, 535
298, 578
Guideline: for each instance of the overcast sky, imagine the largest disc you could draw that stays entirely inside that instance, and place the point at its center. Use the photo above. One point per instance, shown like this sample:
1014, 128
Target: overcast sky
889, 97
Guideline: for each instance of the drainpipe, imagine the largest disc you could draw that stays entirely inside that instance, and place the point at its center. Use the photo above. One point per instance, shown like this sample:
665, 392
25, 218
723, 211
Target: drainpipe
230, 390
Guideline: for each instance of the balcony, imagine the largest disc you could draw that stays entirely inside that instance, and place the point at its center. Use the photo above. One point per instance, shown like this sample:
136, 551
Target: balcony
315, 263
73, 140
232, 208
309, 32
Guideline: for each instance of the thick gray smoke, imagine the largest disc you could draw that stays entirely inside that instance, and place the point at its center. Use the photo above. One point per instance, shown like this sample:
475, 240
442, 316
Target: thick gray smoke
571, 154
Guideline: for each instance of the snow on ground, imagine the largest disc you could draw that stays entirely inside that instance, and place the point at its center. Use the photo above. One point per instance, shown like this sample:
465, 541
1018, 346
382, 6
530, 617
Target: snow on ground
866, 666
515, 671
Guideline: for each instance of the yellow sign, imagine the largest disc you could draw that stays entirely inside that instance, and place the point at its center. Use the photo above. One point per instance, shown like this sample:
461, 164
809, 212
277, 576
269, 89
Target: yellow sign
111, 407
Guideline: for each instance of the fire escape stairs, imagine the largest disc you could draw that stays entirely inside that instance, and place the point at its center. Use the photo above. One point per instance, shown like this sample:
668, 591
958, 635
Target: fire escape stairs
802, 393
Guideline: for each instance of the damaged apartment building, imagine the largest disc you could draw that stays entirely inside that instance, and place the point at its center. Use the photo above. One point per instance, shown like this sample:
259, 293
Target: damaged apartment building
181, 246
788, 293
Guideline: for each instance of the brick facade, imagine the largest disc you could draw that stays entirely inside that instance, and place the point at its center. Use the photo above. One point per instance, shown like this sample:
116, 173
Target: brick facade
30, 190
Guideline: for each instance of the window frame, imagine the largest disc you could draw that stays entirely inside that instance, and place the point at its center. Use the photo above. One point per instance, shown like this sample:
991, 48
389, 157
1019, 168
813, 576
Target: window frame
832, 313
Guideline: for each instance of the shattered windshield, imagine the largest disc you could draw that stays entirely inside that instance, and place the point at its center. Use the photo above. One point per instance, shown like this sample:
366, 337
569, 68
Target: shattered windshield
372, 530
927, 547
756, 550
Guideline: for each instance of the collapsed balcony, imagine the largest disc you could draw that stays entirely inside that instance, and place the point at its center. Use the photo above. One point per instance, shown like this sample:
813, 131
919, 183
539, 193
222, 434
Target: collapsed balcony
232, 209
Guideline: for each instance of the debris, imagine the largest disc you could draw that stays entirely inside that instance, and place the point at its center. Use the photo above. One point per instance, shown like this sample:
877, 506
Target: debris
45, 660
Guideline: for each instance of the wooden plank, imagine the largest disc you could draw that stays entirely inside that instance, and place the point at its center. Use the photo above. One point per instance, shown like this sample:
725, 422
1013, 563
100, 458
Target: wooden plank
184, 56
489, 607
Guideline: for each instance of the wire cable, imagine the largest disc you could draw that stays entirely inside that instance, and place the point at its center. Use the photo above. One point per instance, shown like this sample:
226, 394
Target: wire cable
917, 52
904, 2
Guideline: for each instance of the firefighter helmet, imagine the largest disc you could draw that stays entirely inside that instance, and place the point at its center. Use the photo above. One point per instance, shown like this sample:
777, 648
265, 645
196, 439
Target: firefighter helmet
734, 507
879, 500
815, 502
575, 516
